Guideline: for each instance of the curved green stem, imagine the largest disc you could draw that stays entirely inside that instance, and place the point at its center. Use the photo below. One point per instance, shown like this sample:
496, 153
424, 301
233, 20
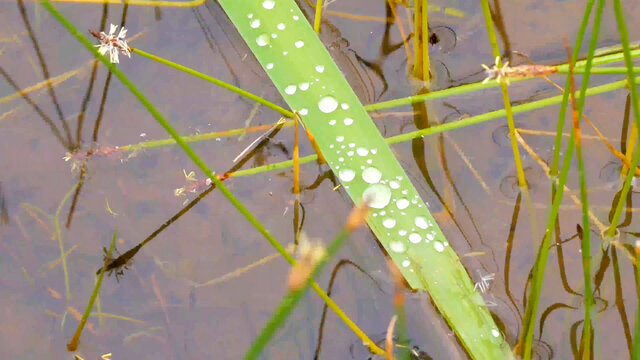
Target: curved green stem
213, 80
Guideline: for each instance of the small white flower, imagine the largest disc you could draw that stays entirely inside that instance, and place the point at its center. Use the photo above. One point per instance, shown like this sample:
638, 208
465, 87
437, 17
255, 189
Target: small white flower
112, 43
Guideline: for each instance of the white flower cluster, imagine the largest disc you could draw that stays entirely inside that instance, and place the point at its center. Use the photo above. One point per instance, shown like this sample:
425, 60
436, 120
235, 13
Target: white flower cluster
112, 43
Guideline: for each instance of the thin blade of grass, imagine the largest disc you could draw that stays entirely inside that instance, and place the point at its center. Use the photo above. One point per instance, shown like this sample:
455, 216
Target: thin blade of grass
522, 182
73, 344
291, 299
584, 232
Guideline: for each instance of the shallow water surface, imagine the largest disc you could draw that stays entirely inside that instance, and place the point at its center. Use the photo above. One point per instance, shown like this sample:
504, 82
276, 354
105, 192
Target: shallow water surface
174, 301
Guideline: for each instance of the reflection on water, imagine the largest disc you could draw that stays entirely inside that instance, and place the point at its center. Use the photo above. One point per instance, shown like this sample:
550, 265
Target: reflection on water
156, 311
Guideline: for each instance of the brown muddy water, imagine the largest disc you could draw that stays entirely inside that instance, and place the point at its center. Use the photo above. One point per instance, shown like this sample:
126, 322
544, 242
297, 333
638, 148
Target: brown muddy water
168, 303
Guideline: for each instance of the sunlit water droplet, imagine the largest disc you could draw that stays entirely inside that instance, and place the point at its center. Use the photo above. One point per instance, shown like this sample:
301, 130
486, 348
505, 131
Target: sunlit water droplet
406, 263
268, 4
269, 66
340, 138
262, 40
346, 175
281, 26
290, 90
371, 175
394, 184
389, 223
415, 238
250, 16
255, 23
362, 151
332, 122
495, 332
397, 247
303, 86
348, 121
303, 112
402, 203
344, 106
327, 104
421, 222
438, 246
377, 196
295, 17
299, 44
319, 68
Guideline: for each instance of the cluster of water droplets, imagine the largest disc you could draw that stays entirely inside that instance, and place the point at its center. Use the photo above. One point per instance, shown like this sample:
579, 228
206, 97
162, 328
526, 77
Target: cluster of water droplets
388, 198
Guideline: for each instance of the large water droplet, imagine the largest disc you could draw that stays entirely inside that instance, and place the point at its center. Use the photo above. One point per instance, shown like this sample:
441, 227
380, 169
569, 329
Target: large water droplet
290, 90
371, 175
397, 247
346, 175
402, 203
362, 151
262, 40
348, 121
299, 44
377, 196
268, 4
389, 223
438, 246
415, 238
327, 104
421, 222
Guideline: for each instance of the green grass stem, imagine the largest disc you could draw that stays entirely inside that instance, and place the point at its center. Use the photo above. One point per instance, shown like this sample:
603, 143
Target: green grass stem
421, 40
318, 17
73, 344
213, 80
585, 238
522, 182
565, 95
291, 299
624, 40
635, 350
63, 256
469, 121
